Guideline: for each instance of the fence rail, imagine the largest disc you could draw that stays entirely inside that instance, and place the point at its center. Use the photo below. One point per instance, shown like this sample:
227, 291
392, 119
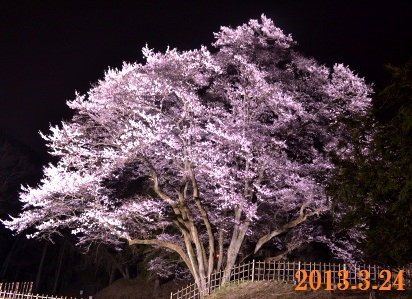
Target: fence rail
286, 271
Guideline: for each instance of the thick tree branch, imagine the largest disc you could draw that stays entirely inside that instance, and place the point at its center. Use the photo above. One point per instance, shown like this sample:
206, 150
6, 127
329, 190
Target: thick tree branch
206, 221
156, 187
164, 244
301, 218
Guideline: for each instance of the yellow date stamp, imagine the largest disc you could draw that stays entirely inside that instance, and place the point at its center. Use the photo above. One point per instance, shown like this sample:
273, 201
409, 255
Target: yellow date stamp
315, 280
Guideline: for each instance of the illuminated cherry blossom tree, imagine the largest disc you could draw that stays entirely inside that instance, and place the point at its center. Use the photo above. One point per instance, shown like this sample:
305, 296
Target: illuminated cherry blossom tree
223, 146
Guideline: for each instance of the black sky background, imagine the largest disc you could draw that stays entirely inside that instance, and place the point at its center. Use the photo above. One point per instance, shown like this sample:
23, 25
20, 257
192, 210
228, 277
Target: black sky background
50, 49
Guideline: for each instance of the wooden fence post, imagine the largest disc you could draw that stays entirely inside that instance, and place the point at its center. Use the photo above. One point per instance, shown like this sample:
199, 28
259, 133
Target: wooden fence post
253, 270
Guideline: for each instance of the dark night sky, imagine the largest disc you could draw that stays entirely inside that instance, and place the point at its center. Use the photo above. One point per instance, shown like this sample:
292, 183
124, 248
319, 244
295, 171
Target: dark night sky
50, 49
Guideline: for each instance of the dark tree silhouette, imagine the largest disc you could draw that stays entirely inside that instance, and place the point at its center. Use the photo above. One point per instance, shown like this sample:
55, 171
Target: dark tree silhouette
377, 183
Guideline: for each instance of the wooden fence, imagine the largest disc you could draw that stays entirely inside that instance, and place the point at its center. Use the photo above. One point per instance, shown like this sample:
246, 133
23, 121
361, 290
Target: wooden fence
286, 271
6, 295
17, 287
23, 290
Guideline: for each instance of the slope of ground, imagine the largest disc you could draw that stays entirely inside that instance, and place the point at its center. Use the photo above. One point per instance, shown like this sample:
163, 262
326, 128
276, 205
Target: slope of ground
281, 290
139, 289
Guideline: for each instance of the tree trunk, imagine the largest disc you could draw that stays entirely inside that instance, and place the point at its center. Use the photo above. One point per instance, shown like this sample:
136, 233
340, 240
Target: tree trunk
59, 267
8, 258
156, 288
112, 274
39, 271
17, 271
232, 254
220, 257
121, 270
238, 236
127, 272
